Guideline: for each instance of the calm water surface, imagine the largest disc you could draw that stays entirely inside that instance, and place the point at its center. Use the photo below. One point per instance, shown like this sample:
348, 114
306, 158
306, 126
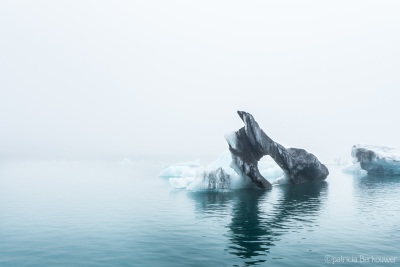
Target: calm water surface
111, 214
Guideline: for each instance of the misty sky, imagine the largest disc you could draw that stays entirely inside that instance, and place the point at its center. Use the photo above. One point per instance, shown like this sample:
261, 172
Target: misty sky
149, 79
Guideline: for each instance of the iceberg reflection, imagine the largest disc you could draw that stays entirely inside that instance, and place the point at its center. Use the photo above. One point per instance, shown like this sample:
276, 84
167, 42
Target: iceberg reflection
259, 218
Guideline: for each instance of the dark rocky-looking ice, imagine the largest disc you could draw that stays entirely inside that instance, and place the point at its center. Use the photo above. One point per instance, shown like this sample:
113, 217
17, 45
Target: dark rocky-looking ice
250, 143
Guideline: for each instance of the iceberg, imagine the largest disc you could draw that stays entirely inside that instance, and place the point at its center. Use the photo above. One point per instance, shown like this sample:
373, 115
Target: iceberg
221, 174
251, 157
249, 144
377, 159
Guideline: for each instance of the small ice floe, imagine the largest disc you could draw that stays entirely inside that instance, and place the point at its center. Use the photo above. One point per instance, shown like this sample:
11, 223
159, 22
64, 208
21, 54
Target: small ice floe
377, 159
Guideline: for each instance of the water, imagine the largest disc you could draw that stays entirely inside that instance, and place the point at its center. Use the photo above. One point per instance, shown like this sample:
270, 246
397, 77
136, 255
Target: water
110, 214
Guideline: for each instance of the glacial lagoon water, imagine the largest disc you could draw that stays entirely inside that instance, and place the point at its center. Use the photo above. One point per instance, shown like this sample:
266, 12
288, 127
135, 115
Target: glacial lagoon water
106, 213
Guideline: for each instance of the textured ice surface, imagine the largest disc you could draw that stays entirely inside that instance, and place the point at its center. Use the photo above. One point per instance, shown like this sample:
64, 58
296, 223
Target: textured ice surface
381, 152
377, 159
221, 174
231, 139
252, 143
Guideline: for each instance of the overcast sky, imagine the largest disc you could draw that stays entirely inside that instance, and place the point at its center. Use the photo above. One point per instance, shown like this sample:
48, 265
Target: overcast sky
150, 79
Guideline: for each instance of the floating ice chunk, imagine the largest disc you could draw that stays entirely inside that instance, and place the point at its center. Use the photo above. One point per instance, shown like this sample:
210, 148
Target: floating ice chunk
377, 159
217, 179
221, 174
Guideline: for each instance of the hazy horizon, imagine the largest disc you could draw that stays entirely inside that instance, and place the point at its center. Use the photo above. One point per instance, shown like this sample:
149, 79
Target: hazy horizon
150, 79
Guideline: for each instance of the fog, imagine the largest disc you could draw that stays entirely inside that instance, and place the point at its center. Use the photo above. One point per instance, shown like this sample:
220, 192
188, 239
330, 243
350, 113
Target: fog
164, 79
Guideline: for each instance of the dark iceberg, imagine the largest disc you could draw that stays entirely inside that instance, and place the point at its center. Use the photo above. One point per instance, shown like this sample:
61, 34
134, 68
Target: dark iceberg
249, 144
377, 159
